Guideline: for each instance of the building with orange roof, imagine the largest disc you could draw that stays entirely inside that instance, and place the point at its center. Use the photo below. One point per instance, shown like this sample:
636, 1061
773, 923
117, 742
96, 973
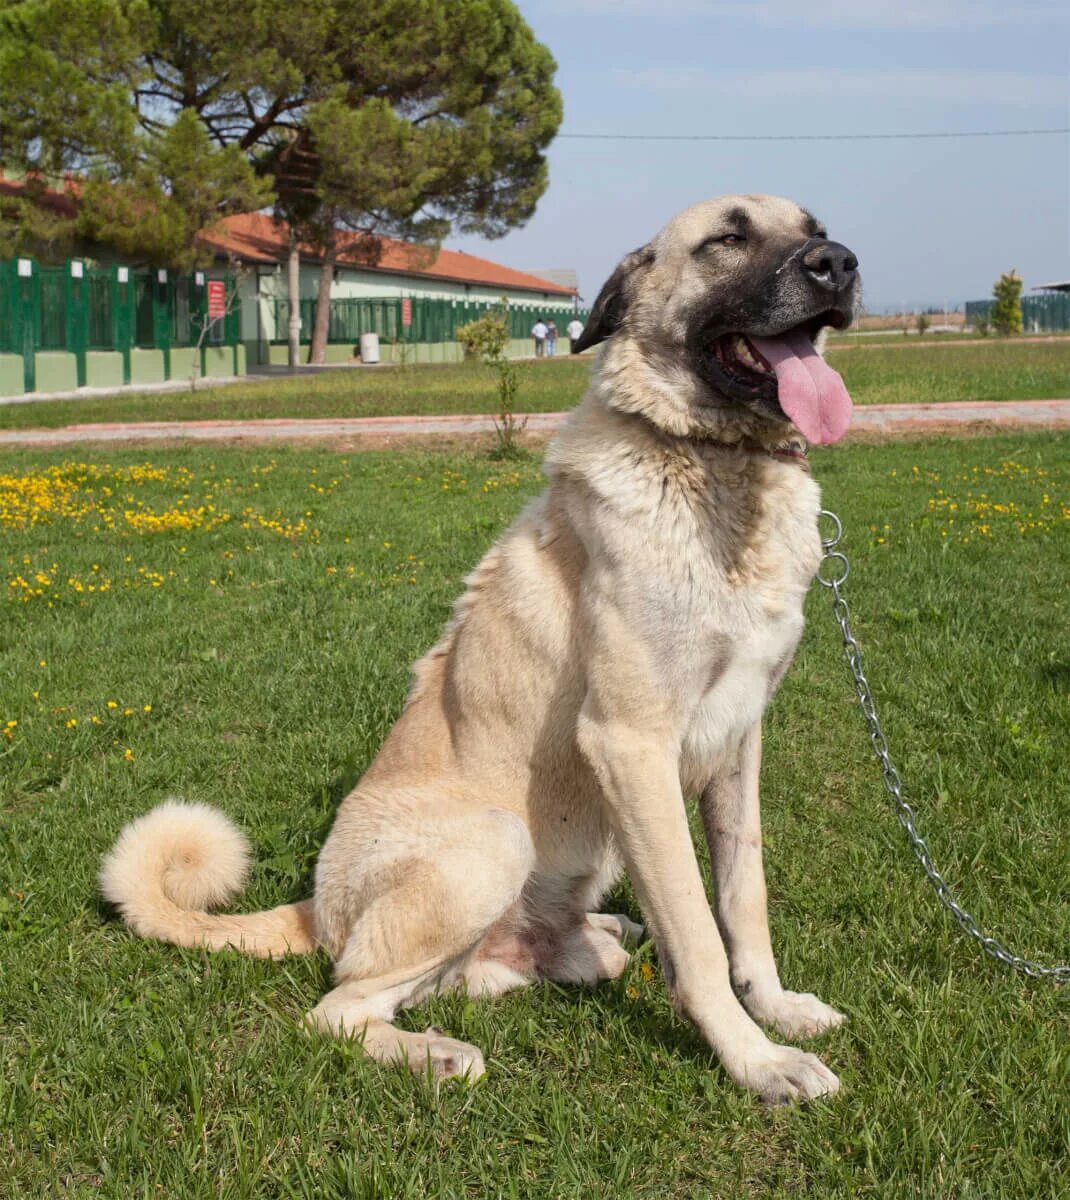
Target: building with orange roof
371, 275
411, 297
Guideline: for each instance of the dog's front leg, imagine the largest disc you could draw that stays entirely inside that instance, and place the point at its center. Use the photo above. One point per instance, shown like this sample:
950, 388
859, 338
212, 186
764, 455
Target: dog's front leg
638, 772
731, 815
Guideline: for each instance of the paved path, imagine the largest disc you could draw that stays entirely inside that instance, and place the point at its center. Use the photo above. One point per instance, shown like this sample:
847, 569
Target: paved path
884, 418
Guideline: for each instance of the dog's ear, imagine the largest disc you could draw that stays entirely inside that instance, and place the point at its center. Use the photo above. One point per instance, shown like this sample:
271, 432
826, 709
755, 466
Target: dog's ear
612, 303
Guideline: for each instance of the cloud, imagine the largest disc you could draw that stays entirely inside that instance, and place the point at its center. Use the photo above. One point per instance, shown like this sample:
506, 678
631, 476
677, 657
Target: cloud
959, 15
947, 87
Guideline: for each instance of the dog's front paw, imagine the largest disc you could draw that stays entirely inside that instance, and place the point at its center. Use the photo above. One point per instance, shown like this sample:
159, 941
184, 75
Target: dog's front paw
784, 1075
794, 1014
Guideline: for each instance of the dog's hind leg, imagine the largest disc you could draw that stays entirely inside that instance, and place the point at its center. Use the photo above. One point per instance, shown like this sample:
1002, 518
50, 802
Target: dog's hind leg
419, 922
624, 929
587, 954
365, 1008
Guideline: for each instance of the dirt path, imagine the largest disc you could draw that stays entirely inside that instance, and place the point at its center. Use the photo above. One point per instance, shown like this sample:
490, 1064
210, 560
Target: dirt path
873, 420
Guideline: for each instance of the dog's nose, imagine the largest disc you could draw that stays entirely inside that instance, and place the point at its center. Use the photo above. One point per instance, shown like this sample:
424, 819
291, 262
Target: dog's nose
830, 265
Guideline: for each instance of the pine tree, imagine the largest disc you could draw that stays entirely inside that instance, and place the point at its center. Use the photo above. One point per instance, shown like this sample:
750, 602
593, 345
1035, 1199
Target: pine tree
437, 119
388, 117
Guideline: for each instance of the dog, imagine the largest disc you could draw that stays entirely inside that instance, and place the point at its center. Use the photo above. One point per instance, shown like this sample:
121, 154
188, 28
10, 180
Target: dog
613, 653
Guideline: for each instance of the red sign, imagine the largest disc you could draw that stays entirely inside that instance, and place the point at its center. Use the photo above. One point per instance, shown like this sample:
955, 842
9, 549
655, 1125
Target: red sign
217, 299
406, 311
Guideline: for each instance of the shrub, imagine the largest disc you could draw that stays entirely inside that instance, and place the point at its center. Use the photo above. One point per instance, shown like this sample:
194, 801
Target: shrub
487, 338
1006, 313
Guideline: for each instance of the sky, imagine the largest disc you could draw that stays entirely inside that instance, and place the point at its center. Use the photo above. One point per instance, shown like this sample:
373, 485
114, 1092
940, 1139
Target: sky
932, 222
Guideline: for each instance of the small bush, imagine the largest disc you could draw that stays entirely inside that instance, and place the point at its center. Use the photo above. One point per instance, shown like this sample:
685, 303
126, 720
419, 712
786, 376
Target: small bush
1006, 313
487, 338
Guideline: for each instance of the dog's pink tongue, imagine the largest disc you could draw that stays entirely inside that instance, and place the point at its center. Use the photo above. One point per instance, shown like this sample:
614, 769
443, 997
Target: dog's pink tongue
809, 390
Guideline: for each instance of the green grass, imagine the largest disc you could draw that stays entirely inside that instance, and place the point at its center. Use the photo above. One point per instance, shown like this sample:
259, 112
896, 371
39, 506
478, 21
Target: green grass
130, 1068
900, 374
894, 337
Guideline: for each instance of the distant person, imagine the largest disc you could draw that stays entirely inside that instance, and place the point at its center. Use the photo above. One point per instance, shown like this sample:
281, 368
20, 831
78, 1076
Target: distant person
574, 331
551, 338
539, 331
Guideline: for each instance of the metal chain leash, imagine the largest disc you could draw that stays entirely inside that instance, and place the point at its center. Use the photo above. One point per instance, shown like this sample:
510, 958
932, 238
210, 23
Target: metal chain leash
831, 574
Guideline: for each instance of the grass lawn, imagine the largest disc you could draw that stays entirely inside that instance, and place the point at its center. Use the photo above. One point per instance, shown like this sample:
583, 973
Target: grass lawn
900, 374
237, 627
894, 337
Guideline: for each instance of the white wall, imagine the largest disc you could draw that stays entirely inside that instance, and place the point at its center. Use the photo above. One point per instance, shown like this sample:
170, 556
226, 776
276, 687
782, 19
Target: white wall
264, 285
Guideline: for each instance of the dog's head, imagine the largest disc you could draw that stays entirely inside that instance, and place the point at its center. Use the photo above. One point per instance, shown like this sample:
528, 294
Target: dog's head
735, 291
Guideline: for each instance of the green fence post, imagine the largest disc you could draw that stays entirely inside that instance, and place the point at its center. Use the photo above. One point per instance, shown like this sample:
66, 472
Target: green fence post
22, 315
122, 315
29, 302
161, 316
76, 306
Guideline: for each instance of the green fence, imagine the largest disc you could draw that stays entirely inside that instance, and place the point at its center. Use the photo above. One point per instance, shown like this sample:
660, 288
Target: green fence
430, 320
81, 309
1049, 313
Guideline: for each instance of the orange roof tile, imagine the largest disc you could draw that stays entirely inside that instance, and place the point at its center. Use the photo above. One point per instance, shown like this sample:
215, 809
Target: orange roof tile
64, 204
256, 237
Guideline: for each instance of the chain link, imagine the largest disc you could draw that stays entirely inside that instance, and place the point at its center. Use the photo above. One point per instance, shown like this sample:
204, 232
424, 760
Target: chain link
831, 574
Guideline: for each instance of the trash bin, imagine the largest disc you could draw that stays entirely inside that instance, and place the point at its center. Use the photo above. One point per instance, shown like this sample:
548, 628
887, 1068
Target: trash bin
369, 347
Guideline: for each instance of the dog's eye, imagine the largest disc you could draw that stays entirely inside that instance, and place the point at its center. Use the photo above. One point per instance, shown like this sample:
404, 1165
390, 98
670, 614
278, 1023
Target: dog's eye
722, 239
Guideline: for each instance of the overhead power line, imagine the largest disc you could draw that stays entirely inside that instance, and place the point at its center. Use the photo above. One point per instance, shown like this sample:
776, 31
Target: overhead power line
804, 137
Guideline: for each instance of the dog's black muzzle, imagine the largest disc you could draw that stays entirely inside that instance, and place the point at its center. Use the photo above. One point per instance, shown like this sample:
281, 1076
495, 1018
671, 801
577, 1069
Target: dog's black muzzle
829, 266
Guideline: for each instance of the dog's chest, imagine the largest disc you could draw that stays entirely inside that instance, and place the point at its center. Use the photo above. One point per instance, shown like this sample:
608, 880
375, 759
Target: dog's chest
746, 628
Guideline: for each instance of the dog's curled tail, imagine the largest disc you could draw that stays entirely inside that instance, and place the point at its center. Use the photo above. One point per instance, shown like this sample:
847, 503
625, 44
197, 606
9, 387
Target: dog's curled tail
178, 860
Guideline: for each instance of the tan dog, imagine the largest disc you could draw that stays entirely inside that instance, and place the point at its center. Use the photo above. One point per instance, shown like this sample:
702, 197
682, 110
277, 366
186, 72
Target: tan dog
613, 652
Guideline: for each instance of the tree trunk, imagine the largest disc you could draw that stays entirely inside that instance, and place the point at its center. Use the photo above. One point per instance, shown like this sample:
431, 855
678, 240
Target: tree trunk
293, 293
318, 350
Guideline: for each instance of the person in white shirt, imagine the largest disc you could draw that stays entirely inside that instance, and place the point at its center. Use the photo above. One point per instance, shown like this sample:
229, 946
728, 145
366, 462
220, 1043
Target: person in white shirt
574, 329
538, 332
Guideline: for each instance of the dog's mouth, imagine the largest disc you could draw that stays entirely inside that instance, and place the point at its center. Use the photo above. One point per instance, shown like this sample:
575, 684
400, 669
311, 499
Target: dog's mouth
785, 374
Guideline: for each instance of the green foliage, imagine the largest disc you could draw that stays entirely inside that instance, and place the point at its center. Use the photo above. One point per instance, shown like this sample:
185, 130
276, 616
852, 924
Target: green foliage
487, 338
982, 326
30, 226
454, 98
67, 68
390, 117
83, 93
437, 113
922, 324
1006, 313
183, 186
67, 71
